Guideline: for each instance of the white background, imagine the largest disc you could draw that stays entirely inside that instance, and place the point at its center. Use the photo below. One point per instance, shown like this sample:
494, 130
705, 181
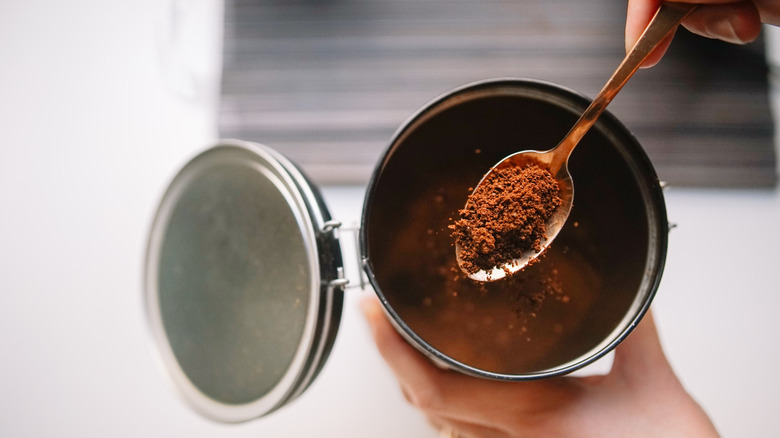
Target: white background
100, 104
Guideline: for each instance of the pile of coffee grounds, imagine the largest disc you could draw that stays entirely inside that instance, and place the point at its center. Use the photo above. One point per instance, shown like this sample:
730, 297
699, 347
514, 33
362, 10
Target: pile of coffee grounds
505, 217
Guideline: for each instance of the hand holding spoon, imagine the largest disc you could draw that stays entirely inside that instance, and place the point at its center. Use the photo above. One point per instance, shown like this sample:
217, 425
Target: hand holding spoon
665, 21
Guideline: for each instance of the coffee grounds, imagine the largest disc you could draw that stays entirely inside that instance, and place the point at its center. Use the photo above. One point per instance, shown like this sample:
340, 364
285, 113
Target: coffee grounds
505, 217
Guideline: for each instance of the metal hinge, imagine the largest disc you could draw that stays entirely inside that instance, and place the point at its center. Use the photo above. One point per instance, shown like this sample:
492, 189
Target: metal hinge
351, 274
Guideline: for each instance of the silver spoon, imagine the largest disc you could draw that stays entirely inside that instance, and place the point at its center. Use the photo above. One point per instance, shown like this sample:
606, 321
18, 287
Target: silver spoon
665, 21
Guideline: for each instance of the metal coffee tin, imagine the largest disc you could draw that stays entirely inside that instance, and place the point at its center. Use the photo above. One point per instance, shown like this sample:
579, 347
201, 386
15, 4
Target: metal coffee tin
595, 282
244, 284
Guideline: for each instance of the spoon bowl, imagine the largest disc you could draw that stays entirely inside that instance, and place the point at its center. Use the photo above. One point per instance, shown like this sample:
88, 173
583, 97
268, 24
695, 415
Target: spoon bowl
559, 169
555, 160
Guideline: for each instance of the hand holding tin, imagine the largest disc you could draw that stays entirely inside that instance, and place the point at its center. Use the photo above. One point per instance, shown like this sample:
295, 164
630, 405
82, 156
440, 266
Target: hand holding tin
640, 396
555, 160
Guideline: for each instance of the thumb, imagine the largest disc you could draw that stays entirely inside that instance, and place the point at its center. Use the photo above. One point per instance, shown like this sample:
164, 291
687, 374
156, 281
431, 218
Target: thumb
638, 16
641, 357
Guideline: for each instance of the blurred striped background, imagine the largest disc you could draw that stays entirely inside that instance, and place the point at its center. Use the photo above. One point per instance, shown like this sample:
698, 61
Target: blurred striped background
328, 82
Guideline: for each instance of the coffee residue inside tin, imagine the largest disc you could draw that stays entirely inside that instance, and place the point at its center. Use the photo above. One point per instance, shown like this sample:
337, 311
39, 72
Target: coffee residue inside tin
518, 324
505, 217
542, 317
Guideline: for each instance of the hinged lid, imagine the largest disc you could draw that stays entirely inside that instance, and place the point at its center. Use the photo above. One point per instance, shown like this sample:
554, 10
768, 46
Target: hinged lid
242, 282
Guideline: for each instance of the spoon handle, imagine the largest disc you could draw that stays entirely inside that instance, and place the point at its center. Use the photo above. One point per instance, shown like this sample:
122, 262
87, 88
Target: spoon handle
665, 21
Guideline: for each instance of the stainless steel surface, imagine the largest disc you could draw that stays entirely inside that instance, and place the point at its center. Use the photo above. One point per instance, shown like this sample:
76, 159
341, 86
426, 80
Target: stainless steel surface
665, 21
241, 308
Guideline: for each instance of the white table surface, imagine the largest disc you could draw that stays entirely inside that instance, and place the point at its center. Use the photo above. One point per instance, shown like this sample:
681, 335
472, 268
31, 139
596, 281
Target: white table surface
93, 127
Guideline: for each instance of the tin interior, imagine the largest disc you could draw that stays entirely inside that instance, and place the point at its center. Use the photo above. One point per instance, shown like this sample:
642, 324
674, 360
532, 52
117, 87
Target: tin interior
588, 291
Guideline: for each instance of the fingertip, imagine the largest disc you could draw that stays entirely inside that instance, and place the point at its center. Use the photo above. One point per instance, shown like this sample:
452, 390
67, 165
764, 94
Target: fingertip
372, 312
638, 16
368, 305
652, 59
655, 56
385, 336
641, 354
411, 369
746, 26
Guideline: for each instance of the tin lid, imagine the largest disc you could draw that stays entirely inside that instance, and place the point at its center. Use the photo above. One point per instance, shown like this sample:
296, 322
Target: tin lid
242, 283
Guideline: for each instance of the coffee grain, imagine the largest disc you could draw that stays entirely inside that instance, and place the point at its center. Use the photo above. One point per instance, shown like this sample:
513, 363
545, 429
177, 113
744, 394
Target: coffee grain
505, 217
